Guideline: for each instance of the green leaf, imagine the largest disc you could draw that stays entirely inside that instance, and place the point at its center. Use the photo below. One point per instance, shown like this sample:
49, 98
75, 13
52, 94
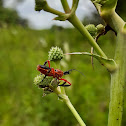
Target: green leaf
110, 64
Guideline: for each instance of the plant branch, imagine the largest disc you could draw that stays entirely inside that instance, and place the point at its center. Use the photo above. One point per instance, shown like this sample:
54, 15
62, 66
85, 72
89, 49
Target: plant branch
117, 83
112, 19
110, 64
74, 6
70, 106
78, 24
65, 6
53, 11
66, 100
118, 78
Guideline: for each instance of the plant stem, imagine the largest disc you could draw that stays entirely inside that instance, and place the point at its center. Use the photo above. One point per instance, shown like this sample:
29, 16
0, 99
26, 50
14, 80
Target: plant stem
78, 24
65, 6
117, 78
66, 100
53, 11
112, 19
117, 83
70, 106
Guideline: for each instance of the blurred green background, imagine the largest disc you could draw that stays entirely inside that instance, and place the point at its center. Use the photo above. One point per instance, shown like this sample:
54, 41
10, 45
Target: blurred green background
22, 49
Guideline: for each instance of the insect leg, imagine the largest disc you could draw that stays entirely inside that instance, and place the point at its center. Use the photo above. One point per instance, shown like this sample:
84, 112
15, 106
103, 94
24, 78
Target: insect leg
43, 78
49, 70
41, 86
63, 85
69, 71
65, 81
47, 62
46, 75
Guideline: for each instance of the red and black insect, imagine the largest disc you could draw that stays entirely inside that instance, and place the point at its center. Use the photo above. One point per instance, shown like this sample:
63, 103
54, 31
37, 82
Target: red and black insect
55, 73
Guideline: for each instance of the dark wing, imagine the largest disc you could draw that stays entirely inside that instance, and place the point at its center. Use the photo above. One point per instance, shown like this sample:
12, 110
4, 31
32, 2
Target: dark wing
44, 67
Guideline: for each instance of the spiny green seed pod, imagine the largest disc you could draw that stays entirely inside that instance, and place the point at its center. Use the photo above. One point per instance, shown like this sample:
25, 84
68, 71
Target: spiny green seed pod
91, 29
40, 4
46, 82
38, 79
55, 54
100, 28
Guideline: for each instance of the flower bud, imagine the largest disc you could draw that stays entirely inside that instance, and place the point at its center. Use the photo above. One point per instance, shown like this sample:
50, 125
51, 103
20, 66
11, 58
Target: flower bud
48, 84
55, 54
100, 28
40, 4
45, 83
38, 79
91, 29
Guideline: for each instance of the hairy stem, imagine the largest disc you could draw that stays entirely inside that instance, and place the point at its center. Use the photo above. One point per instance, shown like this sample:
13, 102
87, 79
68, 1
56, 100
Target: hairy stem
118, 77
117, 83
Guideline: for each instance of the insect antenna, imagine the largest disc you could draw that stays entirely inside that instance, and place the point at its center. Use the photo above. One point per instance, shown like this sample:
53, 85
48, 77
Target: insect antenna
68, 72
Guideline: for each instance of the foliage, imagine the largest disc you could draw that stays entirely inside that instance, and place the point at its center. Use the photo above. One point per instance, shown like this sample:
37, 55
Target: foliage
21, 103
24, 103
121, 9
10, 17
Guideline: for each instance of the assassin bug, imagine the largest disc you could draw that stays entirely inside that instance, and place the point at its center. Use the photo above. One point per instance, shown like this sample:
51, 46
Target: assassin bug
55, 73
